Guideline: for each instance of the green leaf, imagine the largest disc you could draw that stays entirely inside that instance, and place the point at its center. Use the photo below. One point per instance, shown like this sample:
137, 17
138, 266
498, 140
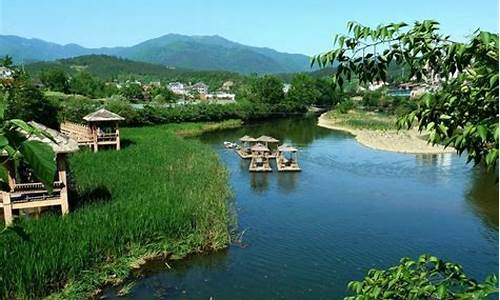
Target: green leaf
4, 177
41, 159
442, 291
483, 132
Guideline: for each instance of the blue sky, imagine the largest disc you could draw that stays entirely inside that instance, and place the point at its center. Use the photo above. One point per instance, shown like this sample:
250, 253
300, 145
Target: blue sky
291, 26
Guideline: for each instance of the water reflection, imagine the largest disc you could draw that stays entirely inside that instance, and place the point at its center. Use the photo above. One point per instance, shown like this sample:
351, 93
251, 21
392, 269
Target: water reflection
482, 198
259, 182
442, 160
287, 182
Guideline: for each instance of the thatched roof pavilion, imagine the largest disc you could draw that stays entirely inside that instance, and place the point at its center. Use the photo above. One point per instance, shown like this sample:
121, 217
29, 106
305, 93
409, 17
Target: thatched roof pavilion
102, 130
103, 115
25, 192
62, 144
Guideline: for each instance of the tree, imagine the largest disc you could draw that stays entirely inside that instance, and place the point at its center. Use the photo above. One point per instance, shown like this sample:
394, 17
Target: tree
426, 278
133, 92
303, 90
463, 113
84, 84
162, 94
267, 89
55, 79
26, 102
7, 61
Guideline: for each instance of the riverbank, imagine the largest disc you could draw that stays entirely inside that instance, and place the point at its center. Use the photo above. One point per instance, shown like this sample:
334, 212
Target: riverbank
378, 132
160, 196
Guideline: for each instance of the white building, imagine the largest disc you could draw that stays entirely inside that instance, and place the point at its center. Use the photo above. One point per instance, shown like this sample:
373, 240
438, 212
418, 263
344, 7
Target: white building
200, 87
6, 73
177, 88
286, 87
221, 96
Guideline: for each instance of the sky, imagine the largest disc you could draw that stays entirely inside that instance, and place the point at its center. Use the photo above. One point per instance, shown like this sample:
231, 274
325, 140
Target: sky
306, 26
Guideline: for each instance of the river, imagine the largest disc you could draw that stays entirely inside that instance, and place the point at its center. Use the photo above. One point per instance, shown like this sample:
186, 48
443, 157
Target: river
306, 235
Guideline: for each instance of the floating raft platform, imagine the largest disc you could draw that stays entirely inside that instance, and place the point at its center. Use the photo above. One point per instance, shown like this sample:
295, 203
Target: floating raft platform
285, 164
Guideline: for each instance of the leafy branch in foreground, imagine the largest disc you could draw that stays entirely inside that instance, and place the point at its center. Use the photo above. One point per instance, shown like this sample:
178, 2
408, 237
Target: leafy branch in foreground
426, 278
16, 146
463, 110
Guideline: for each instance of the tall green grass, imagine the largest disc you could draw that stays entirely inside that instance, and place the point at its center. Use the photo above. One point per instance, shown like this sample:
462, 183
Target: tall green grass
358, 119
160, 194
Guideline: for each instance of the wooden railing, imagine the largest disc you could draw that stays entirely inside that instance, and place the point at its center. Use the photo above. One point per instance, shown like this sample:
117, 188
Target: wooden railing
81, 133
35, 186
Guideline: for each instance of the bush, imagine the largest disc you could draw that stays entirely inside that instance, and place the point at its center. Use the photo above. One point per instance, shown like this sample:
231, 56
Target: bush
344, 106
426, 278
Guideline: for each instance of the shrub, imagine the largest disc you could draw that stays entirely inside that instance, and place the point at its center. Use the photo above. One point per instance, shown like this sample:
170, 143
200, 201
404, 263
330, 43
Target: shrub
344, 106
426, 278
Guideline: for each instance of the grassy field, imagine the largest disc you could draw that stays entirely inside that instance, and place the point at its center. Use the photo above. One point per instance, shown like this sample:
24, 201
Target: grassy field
358, 119
160, 195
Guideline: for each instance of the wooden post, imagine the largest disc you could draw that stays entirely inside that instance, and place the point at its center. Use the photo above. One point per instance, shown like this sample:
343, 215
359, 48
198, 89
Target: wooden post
7, 208
61, 169
117, 137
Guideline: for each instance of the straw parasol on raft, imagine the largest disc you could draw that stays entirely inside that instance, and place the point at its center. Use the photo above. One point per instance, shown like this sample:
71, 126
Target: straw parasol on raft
247, 139
287, 148
266, 139
259, 148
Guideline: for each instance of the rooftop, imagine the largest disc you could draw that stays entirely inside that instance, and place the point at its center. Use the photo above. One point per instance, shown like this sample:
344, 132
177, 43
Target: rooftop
62, 144
102, 115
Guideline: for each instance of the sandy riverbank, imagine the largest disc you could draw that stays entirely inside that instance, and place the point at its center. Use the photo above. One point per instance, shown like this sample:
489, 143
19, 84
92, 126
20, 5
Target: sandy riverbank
405, 141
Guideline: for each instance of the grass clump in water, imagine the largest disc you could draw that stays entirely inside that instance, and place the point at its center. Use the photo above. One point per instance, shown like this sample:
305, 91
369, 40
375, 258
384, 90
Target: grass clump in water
159, 195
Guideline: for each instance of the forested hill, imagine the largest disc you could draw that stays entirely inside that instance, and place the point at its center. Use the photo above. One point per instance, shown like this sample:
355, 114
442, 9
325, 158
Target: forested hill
109, 67
173, 50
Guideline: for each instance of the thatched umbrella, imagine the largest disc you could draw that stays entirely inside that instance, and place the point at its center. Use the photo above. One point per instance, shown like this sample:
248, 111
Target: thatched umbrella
259, 148
247, 139
287, 148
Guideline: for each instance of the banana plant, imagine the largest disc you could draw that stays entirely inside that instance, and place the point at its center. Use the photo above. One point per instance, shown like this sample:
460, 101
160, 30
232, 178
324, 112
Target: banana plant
18, 146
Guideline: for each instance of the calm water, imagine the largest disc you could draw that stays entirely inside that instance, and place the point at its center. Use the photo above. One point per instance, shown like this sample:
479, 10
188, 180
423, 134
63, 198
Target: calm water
305, 235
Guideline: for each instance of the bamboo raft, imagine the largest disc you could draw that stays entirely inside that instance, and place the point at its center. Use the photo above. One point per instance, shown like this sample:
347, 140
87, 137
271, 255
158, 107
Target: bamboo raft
258, 150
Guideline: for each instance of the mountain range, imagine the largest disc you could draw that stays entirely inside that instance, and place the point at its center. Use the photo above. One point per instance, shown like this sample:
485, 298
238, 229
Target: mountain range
173, 50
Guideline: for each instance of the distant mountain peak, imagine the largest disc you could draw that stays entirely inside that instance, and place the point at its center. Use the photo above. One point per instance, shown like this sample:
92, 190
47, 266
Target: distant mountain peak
199, 52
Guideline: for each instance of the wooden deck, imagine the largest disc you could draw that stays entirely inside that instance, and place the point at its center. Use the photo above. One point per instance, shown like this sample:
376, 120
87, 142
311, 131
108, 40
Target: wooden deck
285, 165
33, 195
244, 153
260, 164
90, 136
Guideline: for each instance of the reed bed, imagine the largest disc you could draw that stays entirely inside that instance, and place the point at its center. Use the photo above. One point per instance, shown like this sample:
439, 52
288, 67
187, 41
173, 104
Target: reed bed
159, 195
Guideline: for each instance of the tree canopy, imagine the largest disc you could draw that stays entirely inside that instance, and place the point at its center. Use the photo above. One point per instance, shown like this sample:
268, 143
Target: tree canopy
462, 111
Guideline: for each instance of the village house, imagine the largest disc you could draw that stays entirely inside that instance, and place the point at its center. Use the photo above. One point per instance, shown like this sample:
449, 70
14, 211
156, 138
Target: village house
6, 73
286, 87
200, 87
177, 88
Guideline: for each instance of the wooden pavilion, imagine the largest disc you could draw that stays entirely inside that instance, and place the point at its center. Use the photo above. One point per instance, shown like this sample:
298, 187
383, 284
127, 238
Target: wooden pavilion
260, 158
267, 140
102, 130
286, 159
246, 143
26, 192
